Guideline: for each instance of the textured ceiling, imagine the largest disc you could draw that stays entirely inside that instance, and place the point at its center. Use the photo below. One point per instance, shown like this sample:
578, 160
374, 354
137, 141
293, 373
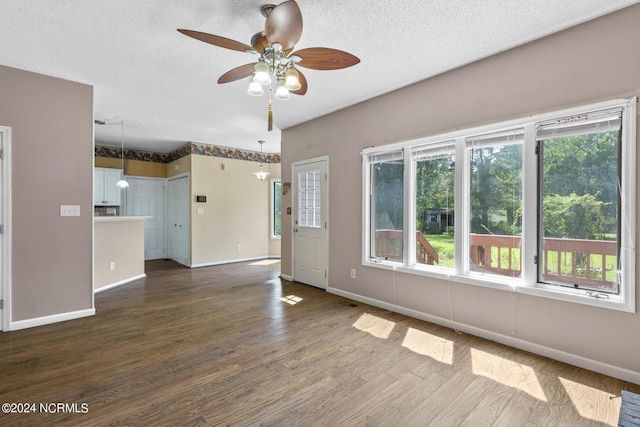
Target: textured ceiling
162, 84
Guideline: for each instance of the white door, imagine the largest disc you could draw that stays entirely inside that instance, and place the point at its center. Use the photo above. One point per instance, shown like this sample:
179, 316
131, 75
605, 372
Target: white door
178, 220
145, 196
310, 222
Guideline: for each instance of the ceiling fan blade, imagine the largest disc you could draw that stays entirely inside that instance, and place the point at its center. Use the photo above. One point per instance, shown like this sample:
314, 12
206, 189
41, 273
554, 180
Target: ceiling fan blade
236, 74
303, 84
284, 25
217, 40
324, 58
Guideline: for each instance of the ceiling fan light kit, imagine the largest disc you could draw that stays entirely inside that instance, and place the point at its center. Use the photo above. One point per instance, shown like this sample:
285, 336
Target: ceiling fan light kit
277, 61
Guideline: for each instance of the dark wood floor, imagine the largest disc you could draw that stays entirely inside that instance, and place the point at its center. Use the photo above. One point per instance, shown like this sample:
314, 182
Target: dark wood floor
235, 344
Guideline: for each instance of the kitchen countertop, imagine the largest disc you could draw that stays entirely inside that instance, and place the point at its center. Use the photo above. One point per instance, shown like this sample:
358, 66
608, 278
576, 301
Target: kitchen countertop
120, 218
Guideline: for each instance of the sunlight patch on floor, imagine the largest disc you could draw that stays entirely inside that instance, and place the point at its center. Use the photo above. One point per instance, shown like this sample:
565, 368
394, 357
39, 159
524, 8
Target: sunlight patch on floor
266, 262
426, 344
291, 299
590, 402
376, 326
507, 372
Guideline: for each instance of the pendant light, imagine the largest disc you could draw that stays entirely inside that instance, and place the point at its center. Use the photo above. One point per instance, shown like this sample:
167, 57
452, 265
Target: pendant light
122, 183
261, 175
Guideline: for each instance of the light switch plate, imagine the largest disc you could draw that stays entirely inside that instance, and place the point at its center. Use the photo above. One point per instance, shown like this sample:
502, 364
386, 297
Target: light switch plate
69, 210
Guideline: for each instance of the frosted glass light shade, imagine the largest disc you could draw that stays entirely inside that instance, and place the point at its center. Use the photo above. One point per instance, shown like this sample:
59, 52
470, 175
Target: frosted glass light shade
122, 183
261, 73
292, 79
261, 175
282, 92
255, 88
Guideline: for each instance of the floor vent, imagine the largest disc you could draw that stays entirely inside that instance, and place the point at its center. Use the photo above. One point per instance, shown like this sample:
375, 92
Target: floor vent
349, 304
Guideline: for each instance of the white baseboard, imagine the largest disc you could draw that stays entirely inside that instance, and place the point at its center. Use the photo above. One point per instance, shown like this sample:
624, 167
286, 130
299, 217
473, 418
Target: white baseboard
121, 282
54, 318
231, 261
287, 277
551, 353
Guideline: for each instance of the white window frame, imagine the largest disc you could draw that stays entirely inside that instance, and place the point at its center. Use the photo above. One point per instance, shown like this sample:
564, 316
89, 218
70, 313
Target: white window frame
528, 282
272, 208
370, 235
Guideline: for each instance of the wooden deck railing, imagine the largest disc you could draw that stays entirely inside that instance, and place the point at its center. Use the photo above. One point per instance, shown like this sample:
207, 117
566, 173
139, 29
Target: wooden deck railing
495, 254
586, 259
572, 261
589, 263
389, 246
426, 253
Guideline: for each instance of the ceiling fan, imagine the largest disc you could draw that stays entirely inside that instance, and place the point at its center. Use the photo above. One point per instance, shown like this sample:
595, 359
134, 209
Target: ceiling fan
274, 45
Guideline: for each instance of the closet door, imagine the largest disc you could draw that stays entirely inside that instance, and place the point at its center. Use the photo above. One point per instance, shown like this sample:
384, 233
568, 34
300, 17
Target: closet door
145, 196
178, 220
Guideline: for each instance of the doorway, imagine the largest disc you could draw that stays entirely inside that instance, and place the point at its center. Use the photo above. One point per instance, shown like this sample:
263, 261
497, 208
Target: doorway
310, 222
145, 196
178, 220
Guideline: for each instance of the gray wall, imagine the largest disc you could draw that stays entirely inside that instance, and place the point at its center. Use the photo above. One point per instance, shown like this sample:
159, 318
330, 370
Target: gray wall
595, 61
51, 122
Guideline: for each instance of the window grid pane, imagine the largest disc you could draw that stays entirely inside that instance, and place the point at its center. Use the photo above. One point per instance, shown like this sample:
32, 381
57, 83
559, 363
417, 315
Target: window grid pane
309, 199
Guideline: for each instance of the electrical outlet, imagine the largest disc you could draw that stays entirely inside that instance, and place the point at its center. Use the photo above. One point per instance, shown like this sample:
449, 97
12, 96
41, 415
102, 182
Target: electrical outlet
112, 266
238, 248
353, 273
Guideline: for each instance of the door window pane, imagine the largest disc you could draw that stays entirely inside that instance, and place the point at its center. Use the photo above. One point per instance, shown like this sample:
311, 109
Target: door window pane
309, 197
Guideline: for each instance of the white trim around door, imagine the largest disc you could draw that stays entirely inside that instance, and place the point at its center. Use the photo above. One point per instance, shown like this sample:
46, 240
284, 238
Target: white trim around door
310, 231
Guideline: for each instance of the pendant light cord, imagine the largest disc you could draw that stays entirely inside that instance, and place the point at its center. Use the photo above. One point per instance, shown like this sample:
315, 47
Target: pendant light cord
122, 145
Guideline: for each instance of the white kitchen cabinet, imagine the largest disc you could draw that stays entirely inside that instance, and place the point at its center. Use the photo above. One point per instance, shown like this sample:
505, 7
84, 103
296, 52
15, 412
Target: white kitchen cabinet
105, 190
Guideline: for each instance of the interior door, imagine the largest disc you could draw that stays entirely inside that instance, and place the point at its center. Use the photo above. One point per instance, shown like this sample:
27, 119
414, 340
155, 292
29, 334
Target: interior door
178, 220
310, 224
145, 196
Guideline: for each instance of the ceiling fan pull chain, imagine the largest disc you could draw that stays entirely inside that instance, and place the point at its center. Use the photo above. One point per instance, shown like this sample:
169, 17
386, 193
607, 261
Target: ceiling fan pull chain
270, 115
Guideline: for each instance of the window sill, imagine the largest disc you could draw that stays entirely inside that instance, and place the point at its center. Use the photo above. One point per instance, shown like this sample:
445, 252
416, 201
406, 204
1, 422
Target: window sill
614, 302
